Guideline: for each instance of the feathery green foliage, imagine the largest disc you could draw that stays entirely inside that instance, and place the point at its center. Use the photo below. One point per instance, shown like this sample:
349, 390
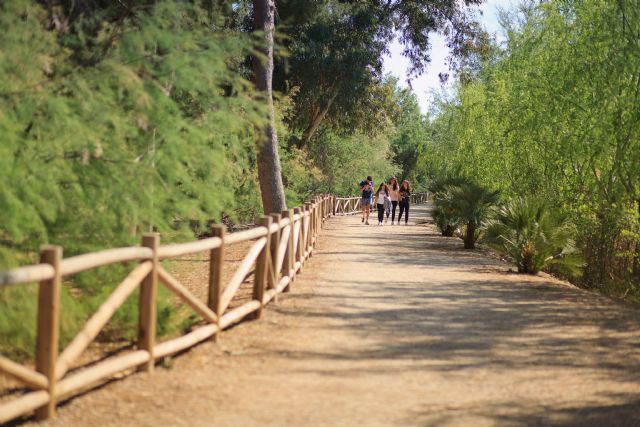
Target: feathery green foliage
114, 128
554, 112
136, 140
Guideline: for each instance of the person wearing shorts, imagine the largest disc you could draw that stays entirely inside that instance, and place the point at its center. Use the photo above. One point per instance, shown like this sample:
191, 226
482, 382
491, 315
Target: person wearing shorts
366, 189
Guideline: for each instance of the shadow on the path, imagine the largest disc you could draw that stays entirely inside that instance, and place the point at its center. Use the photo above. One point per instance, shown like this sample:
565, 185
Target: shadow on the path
496, 322
622, 414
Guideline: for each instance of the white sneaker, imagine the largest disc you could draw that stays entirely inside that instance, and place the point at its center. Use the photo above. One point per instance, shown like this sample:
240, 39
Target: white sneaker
391, 222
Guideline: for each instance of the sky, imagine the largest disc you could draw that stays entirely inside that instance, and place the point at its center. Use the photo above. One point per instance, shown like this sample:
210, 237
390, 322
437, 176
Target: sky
397, 64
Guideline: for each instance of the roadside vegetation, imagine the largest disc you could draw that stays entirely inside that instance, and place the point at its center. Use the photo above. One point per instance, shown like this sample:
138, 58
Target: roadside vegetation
118, 118
550, 118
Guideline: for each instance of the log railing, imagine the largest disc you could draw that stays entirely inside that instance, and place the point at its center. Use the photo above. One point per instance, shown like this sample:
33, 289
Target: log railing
351, 205
280, 246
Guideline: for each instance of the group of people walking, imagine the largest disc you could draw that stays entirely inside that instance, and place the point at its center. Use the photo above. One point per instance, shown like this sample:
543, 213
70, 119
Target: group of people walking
386, 198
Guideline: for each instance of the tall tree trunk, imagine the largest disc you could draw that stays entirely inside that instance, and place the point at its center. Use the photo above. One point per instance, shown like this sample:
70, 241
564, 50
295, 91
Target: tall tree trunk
269, 169
470, 239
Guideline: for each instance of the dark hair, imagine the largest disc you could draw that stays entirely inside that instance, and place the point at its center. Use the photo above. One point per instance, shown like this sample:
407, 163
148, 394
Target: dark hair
408, 185
369, 178
382, 184
395, 186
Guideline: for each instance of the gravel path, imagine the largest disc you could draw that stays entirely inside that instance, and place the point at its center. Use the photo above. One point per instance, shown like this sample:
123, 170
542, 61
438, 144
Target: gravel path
397, 326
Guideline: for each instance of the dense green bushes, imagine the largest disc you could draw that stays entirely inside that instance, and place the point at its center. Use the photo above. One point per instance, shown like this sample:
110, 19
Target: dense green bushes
98, 148
466, 204
554, 113
523, 229
528, 233
114, 125
118, 118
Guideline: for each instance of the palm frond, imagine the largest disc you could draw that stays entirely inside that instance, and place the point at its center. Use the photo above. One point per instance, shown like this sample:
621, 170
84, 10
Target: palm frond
529, 235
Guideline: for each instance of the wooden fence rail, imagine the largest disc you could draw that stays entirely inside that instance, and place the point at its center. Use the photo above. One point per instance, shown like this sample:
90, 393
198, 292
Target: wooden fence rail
351, 205
281, 245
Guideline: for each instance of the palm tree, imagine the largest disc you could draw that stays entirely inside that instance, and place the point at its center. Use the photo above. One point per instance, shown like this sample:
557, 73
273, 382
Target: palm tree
445, 219
443, 213
472, 204
527, 232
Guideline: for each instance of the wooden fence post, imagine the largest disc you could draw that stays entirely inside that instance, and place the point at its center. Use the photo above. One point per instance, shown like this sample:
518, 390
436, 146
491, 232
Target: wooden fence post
288, 265
327, 206
310, 231
318, 216
300, 252
314, 225
312, 236
48, 324
147, 303
303, 236
275, 244
315, 209
307, 235
260, 277
215, 276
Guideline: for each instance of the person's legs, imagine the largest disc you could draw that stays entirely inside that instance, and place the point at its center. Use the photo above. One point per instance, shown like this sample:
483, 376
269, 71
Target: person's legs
401, 211
406, 213
380, 213
394, 204
366, 210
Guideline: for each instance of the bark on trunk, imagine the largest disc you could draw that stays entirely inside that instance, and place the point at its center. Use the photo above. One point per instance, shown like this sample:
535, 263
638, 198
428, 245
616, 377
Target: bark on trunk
469, 240
269, 169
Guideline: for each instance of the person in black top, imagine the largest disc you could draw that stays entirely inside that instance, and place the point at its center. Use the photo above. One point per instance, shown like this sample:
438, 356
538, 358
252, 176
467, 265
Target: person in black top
405, 197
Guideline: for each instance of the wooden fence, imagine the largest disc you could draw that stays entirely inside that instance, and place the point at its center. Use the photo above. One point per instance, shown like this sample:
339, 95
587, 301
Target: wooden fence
351, 205
281, 245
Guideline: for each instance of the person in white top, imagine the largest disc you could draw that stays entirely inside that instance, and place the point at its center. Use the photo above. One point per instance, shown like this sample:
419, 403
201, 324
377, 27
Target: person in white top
381, 195
394, 196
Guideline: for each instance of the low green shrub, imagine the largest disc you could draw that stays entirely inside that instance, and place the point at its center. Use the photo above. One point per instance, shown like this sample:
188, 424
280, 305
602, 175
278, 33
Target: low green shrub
467, 204
533, 238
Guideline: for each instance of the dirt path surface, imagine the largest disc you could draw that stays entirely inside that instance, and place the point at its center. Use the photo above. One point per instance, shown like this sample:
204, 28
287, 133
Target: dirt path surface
396, 326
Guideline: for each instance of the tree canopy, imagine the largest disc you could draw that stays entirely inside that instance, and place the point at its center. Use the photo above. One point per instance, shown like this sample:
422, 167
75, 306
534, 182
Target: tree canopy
334, 54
